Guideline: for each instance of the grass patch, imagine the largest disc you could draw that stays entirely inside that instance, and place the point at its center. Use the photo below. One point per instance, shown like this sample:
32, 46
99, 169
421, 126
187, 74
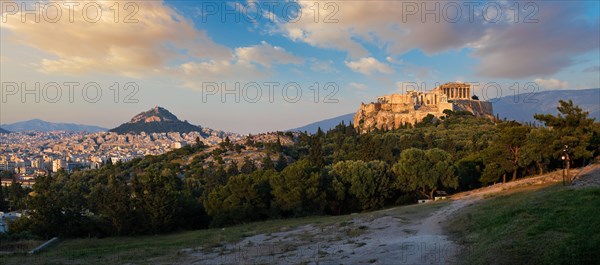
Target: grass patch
20, 245
553, 225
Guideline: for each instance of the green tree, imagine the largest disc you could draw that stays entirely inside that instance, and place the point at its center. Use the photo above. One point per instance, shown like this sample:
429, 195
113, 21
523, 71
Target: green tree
114, 204
248, 166
497, 163
362, 185
469, 170
316, 155
536, 149
281, 163
3, 202
58, 206
513, 137
245, 197
232, 169
267, 163
425, 171
573, 128
158, 196
298, 189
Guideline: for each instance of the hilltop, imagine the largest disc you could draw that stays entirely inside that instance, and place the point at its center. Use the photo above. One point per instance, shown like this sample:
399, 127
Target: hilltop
157, 120
394, 111
255, 148
527, 105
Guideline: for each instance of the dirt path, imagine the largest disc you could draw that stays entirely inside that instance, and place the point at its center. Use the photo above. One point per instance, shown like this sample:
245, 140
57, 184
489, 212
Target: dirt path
388, 237
393, 236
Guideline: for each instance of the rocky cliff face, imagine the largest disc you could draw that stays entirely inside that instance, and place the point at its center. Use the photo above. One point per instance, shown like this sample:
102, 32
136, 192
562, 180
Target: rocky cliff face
157, 114
478, 108
387, 116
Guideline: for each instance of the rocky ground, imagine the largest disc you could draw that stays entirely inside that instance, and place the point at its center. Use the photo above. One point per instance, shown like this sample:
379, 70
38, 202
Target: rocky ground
392, 236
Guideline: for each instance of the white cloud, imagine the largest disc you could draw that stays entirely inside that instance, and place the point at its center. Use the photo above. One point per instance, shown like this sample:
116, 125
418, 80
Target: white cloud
358, 86
322, 66
159, 36
369, 65
266, 55
552, 83
242, 68
505, 49
162, 42
393, 60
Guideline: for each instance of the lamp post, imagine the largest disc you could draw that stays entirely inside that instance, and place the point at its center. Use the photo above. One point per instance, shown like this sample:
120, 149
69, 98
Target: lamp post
563, 171
566, 161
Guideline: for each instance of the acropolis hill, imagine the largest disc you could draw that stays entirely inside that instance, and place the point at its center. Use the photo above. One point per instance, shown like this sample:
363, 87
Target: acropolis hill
391, 111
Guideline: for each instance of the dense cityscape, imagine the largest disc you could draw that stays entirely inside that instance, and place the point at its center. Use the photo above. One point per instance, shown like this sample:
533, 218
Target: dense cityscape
30, 154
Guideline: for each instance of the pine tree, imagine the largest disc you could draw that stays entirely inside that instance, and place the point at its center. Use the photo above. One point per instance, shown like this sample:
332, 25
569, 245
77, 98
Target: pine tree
3, 202
316, 156
267, 163
232, 169
281, 163
248, 166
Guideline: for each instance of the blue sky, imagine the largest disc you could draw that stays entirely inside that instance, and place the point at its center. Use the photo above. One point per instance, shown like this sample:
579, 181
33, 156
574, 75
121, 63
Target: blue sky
174, 51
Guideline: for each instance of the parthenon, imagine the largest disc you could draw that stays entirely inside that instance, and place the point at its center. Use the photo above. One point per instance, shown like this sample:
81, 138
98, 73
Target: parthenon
441, 94
391, 111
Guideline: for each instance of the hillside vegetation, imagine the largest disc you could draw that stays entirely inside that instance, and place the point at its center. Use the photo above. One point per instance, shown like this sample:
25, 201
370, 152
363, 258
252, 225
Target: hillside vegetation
333, 173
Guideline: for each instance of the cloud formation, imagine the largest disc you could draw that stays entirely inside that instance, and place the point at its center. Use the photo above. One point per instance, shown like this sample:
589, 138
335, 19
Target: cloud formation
242, 66
265, 55
368, 66
158, 41
79, 46
551, 83
358, 86
541, 40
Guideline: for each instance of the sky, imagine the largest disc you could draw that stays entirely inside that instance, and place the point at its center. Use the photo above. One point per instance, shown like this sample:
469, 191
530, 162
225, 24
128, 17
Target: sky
256, 66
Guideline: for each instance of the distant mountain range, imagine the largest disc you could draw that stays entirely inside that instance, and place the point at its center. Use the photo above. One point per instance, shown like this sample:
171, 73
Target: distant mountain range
325, 125
156, 120
522, 110
522, 107
44, 126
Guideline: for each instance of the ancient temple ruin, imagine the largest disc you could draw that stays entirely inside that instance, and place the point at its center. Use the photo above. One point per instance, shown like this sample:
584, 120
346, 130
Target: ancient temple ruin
391, 111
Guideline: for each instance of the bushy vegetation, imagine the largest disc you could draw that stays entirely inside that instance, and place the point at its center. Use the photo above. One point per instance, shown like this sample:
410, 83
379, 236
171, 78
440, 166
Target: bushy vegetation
337, 172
